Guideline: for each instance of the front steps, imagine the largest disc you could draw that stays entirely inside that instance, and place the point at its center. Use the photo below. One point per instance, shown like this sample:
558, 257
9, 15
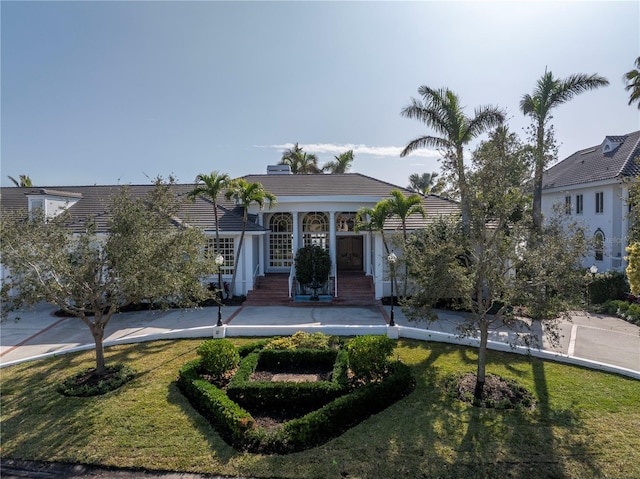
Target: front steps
272, 289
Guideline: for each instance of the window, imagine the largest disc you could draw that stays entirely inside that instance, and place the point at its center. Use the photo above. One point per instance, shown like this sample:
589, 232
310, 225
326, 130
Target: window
599, 202
281, 240
579, 204
226, 249
345, 221
315, 230
567, 204
598, 241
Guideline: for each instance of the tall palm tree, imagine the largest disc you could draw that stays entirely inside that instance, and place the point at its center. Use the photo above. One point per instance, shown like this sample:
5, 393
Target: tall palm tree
424, 183
342, 163
403, 207
549, 93
245, 193
211, 186
301, 163
632, 79
441, 111
25, 181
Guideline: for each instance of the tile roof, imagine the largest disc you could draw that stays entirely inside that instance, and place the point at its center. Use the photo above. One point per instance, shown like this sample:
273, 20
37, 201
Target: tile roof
93, 200
592, 164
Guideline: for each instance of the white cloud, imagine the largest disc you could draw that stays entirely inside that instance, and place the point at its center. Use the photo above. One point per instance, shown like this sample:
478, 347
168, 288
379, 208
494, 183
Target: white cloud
330, 148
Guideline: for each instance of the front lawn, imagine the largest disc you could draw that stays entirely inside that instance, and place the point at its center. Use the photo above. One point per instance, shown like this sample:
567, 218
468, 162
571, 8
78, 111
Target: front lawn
585, 423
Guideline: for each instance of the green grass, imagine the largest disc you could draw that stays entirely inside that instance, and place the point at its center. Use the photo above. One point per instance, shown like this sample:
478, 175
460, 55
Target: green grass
586, 423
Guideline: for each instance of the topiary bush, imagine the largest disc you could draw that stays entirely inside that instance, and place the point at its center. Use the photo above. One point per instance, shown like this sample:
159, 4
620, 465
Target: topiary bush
218, 357
369, 356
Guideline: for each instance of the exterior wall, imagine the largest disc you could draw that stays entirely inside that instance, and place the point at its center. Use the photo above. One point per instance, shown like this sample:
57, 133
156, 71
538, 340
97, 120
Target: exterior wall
612, 222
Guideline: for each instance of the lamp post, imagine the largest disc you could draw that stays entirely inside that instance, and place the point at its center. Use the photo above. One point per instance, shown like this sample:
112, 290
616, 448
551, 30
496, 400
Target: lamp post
593, 270
392, 258
219, 260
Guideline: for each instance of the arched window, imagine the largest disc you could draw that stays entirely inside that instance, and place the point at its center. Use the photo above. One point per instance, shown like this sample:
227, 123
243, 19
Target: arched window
598, 242
345, 221
315, 230
280, 240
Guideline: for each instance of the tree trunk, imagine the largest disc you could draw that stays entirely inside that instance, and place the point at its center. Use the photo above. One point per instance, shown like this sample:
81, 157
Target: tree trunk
97, 331
462, 186
215, 214
232, 287
482, 361
537, 179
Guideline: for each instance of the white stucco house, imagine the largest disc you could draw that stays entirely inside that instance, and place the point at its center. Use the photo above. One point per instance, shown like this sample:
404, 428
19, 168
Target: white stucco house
592, 185
311, 209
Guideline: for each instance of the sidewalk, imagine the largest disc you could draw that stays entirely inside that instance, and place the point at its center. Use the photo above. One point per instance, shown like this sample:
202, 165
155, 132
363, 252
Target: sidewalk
595, 338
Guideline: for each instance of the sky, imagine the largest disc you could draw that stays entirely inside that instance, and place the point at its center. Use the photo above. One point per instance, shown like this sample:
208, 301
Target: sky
119, 92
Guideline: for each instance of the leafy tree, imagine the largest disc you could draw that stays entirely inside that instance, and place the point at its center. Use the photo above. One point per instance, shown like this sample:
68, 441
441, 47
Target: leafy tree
425, 183
633, 267
301, 163
245, 194
211, 186
549, 93
496, 268
341, 164
442, 111
632, 79
25, 181
65, 261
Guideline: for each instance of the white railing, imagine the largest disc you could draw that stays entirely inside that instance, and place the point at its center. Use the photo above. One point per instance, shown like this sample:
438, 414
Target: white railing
292, 275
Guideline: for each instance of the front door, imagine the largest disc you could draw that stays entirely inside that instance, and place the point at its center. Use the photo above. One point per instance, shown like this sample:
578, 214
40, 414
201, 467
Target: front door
349, 255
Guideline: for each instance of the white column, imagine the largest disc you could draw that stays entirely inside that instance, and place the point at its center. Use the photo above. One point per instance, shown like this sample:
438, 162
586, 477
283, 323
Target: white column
262, 259
333, 244
296, 234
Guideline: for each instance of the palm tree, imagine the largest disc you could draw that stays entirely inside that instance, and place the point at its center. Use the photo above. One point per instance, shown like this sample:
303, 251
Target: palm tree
342, 163
373, 219
632, 79
403, 207
301, 163
549, 93
245, 193
441, 111
211, 186
424, 183
25, 181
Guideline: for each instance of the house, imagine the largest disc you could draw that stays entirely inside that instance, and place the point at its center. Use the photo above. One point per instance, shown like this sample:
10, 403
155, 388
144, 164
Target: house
593, 186
315, 209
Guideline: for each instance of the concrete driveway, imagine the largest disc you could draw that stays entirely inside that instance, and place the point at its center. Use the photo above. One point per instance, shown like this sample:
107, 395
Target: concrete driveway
595, 338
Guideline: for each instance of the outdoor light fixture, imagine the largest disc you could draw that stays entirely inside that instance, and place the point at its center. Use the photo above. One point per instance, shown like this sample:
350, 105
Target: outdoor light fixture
392, 258
593, 270
219, 261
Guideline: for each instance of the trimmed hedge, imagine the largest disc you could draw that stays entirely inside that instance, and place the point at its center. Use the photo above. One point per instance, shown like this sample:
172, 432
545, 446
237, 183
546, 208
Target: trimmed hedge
339, 411
230, 420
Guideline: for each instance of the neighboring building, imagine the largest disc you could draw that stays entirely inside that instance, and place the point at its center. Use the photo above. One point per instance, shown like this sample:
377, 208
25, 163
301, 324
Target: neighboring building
311, 209
592, 184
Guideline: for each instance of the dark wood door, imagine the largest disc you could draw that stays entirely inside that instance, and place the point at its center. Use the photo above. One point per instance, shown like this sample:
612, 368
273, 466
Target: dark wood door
349, 255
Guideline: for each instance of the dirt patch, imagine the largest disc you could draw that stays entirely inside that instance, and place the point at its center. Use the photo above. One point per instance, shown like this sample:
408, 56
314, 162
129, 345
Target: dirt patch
497, 393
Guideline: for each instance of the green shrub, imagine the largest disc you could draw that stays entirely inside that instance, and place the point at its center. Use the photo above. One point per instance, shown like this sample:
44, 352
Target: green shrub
606, 286
218, 357
369, 356
633, 313
613, 306
304, 340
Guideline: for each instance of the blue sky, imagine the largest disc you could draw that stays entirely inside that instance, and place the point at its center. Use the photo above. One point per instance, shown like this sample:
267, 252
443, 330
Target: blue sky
120, 92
